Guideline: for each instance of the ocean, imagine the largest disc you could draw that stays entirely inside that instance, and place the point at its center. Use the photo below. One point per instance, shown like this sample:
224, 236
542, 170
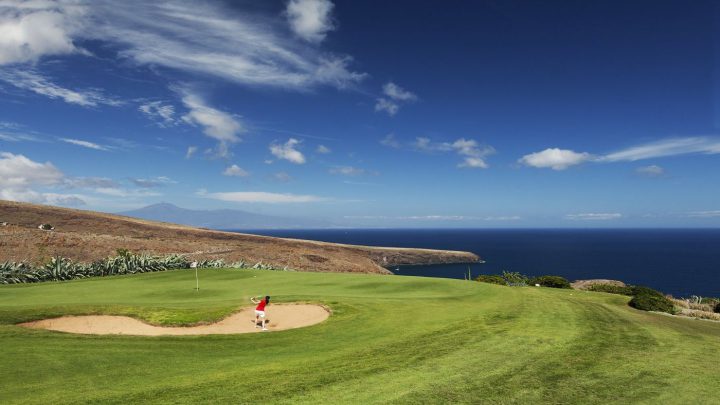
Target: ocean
681, 262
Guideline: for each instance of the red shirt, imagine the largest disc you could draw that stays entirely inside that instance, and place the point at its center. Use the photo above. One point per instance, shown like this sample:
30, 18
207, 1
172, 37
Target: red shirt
261, 305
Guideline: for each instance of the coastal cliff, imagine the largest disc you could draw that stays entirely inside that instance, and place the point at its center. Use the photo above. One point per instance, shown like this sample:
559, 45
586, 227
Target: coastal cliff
86, 236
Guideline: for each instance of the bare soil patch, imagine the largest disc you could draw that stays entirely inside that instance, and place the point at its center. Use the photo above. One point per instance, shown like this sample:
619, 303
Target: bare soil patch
281, 317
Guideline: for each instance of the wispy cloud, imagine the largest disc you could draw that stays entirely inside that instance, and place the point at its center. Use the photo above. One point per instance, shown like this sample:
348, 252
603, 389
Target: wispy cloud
397, 93
159, 112
322, 149
190, 151
389, 106
32, 81
472, 152
347, 171
561, 159
152, 182
393, 96
288, 151
282, 177
310, 19
218, 41
435, 218
390, 141
593, 216
261, 197
90, 182
666, 147
704, 214
85, 144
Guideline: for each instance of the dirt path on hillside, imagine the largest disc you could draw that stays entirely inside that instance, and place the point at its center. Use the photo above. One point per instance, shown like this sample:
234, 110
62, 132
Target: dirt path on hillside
281, 317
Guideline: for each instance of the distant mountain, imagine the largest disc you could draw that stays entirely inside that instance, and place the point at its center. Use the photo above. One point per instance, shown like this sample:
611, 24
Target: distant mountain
221, 219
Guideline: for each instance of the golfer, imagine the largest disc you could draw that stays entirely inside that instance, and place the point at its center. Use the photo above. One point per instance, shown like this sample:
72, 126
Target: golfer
260, 310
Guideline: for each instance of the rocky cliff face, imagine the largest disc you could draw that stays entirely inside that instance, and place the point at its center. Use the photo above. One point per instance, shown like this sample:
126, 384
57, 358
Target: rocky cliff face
87, 236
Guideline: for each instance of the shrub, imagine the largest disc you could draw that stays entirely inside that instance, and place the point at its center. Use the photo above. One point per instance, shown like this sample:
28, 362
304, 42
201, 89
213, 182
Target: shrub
648, 299
612, 289
491, 278
514, 278
551, 281
717, 308
642, 290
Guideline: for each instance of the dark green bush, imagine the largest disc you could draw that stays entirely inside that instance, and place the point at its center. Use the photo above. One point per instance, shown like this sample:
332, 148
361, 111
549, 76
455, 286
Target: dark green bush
551, 281
641, 290
648, 299
717, 308
491, 278
612, 289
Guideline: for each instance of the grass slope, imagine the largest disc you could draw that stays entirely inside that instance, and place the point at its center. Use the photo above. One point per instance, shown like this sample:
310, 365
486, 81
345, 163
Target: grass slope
390, 339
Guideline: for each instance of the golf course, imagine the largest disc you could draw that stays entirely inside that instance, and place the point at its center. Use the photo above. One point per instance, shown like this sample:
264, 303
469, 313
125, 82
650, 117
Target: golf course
388, 339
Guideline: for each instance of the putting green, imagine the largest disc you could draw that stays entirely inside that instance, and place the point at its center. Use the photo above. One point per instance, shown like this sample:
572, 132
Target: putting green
389, 339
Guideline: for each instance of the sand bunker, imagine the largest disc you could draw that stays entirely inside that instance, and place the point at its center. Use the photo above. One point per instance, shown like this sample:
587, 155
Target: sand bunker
281, 317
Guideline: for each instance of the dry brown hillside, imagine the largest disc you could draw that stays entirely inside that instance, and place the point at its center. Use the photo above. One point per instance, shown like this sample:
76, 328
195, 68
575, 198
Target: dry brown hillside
86, 236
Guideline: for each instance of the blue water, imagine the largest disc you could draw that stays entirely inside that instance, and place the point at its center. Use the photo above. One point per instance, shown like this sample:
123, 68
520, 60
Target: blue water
676, 261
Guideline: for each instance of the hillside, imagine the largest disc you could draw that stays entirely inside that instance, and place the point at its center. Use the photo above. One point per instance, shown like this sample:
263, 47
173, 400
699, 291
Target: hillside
221, 219
87, 236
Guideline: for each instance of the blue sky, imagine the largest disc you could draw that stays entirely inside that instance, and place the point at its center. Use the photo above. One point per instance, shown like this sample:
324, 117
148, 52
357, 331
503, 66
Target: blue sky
403, 113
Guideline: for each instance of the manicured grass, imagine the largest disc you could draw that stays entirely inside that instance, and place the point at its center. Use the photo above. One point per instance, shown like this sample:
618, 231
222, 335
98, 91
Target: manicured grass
390, 339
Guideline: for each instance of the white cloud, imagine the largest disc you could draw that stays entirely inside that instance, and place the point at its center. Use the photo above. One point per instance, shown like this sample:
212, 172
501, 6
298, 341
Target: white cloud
557, 159
472, 152
396, 92
163, 114
390, 141
288, 151
323, 149
310, 19
650, 171
216, 124
593, 216
261, 197
33, 81
235, 171
389, 106
85, 144
20, 175
19, 172
666, 147
190, 151
347, 171
29, 31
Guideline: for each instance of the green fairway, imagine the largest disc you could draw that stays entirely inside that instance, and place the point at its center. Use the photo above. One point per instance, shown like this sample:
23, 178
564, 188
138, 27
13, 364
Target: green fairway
390, 339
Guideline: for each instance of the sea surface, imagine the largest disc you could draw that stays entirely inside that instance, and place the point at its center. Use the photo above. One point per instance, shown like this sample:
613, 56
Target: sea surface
681, 262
